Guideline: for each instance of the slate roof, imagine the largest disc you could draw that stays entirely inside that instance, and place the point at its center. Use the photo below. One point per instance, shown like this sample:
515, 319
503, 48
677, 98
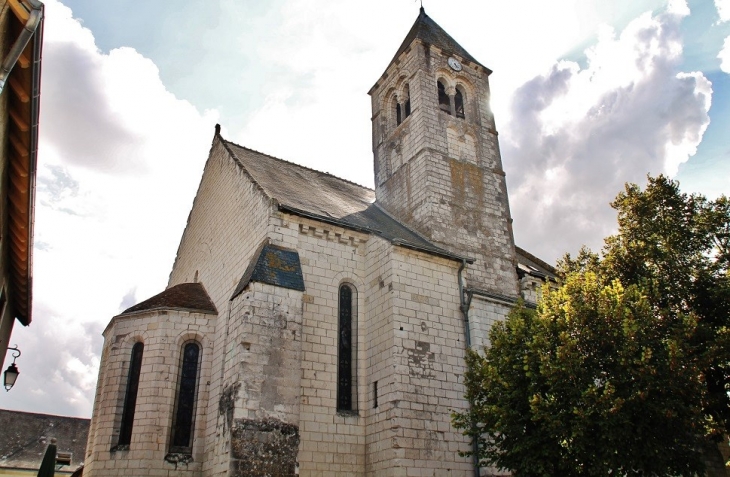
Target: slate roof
191, 296
532, 265
327, 198
24, 437
324, 197
273, 265
428, 31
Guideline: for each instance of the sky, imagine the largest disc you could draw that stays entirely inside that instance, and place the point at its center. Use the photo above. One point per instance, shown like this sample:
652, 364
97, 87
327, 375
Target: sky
587, 95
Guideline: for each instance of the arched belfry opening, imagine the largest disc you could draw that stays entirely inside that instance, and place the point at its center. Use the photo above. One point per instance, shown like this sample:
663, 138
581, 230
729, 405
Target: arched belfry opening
444, 100
459, 98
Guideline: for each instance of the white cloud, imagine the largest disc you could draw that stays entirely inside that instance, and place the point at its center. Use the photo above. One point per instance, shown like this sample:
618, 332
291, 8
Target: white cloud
724, 56
577, 134
723, 9
119, 162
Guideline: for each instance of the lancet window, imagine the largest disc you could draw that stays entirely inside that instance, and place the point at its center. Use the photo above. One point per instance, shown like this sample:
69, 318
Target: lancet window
184, 413
346, 351
130, 396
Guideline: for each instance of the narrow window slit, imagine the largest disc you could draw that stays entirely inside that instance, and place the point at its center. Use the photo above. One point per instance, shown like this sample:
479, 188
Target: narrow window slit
345, 351
130, 397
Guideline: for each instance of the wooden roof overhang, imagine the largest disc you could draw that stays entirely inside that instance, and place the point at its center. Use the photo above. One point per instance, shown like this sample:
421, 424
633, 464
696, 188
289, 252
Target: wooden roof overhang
23, 89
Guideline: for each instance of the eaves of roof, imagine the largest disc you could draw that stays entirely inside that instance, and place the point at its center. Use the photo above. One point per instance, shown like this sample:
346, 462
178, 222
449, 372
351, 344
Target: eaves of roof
23, 89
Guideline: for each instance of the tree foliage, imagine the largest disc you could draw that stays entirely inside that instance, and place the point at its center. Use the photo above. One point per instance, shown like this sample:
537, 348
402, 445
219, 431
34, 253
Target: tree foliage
623, 368
677, 247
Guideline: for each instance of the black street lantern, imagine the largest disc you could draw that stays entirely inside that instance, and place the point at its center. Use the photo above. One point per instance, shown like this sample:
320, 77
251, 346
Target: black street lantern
11, 374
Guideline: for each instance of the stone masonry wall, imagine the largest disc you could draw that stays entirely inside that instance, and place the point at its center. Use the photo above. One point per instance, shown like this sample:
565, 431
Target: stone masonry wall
380, 335
259, 412
163, 334
410, 339
228, 221
448, 183
428, 364
332, 443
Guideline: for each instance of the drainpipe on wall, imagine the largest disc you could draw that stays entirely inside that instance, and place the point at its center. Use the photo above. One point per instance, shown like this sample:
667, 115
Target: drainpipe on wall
465, 303
34, 20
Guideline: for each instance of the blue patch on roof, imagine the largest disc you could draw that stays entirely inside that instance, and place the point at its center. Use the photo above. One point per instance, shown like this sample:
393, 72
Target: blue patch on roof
275, 266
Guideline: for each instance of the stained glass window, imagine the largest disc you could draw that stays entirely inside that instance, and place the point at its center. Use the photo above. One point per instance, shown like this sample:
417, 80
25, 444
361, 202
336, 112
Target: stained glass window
344, 371
130, 398
182, 428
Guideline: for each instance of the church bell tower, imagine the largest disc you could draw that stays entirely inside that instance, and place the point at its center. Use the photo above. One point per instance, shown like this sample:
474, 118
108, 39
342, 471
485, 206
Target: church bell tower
436, 155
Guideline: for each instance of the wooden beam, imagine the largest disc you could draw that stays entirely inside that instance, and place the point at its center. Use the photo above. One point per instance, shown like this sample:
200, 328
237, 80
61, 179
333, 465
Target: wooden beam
19, 186
20, 148
20, 239
19, 166
17, 201
19, 10
18, 89
18, 223
24, 58
20, 271
18, 120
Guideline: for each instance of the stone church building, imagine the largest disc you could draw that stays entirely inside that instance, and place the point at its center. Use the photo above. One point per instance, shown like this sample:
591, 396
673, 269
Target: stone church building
312, 326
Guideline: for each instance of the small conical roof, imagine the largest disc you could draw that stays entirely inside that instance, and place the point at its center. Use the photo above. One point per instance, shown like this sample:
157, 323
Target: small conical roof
428, 31
191, 296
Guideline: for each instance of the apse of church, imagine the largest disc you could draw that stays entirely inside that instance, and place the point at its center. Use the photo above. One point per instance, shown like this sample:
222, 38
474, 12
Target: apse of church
312, 326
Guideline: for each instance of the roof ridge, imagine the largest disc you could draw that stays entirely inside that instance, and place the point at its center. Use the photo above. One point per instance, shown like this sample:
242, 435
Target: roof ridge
297, 165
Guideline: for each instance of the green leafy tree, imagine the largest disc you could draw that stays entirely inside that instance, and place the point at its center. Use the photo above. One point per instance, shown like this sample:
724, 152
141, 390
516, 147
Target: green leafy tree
586, 385
624, 368
678, 247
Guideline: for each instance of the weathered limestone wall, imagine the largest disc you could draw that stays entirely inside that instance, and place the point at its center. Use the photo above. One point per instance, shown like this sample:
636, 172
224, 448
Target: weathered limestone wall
441, 174
483, 313
410, 339
380, 337
228, 221
332, 443
428, 368
163, 334
258, 414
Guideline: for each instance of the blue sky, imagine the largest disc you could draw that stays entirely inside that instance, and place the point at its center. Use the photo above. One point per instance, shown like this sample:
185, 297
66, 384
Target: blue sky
587, 95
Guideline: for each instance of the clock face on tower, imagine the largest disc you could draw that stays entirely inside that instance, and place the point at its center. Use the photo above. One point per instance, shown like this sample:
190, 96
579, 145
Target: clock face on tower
454, 64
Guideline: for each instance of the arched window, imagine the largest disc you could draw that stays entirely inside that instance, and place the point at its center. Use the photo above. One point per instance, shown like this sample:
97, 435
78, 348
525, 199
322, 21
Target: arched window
345, 351
408, 100
398, 117
459, 103
444, 101
130, 397
184, 414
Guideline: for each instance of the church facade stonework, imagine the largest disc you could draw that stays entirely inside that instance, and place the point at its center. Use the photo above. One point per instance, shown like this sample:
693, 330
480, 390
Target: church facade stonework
312, 326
